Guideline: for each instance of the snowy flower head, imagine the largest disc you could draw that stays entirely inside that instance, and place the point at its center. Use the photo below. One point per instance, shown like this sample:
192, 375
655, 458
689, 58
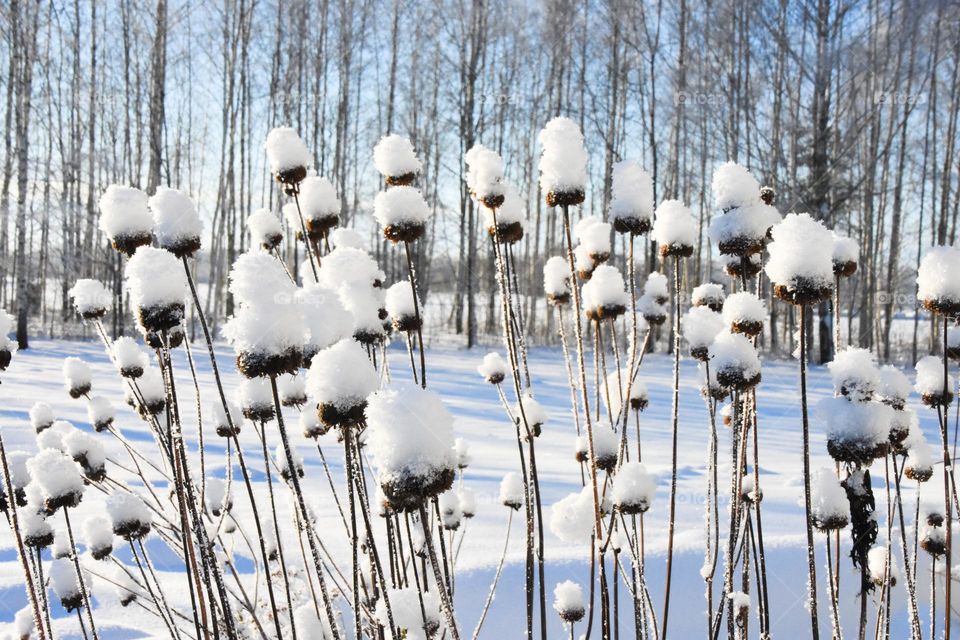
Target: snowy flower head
735, 360
267, 338
572, 518
125, 218
63, 580
594, 235
846, 253
346, 237
855, 374
894, 387
674, 229
744, 312
631, 204
938, 286
699, 326
98, 537
511, 490
129, 516
77, 377
265, 229
176, 223
493, 368
288, 156
158, 288
7, 346
708, 295
255, 398
225, 423
857, 432
90, 298
402, 212
41, 416
411, 442
100, 413
327, 320
130, 359
402, 307
633, 488
556, 280
734, 186
58, 477
563, 163
933, 387
605, 296
829, 508
801, 260
742, 231
395, 160
485, 175
319, 208
339, 380
568, 601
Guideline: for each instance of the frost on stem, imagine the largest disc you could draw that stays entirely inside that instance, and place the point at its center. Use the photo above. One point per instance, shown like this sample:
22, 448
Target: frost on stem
556, 280
129, 359
98, 537
77, 377
744, 312
633, 488
158, 287
396, 160
741, 606
511, 490
735, 361
801, 260
266, 229
829, 508
319, 206
572, 518
58, 477
563, 163
631, 204
938, 287
41, 416
129, 516
411, 442
408, 616
288, 156
100, 413
402, 212
493, 368
401, 307
568, 601
125, 218
90, 298
933, 390
176, 223
63, 579
605, 296
674, 229
708, 295
846, 254
339, 380
855, 374
485, 176
699, 326
857, 432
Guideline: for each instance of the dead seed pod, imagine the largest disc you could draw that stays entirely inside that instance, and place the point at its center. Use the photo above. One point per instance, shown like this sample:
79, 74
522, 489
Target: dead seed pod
606, 447
829, 509
674, 229
801, 260
130, 517
747, 492
653, 313
78, 379
37, 532
265, 229
857, 432
534, 413
742, 230
767, 195
744, 312
255, 398
98, 537
158, 287
284, 468
402, 212
154, 339
176, 223
556, 280
401, 308
59, 479
582, 449
568, 601
737, 267
631, 204
512, 491
265, 364
90, 298
319, 209
493, 368
699, 326
311, 425
846, 253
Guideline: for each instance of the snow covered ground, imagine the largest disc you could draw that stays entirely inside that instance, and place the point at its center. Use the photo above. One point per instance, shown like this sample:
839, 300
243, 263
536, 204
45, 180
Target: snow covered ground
35, 376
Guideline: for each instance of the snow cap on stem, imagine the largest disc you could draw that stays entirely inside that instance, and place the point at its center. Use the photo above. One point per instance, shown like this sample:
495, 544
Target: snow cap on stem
572, 518
58, 477
87, 452
708, 295
402, 212
125, 218
846, 253
129, 515
855, 374
511, 490
563, 162
41, 416
255, 397
568, 601
801, 260
857, 432
493, 368
129, 358
339, 380
933, 389
631, 204
98, 537
895, 387
829, 508
401, 307
743, 231
744, 312
605, 296
77, 377
158, 287
90, 298
699, 326
396, 160
100, 413
176, 223
485, 175
7, 346
556, 280
674, 229
633, 488
594, 236
734, 186
319, 206
288, 156
266, 229
938, 287
63, 579
735, 361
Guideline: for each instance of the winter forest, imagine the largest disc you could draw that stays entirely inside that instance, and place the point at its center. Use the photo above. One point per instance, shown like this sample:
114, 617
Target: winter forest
333, 319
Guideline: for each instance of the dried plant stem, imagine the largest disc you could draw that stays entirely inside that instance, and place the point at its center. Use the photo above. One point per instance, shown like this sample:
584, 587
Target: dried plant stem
947, 484
496, 577
313, 258
909, 569
354, 544
75, 557
416, 311
836, 633
675, 424
445, 605
21, 548
712, 519
163, 609
811, 556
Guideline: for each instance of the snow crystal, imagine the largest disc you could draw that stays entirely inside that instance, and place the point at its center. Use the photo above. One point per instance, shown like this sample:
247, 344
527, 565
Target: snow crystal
511, 490
572, 518
633, 487
699, 326
90, 298
41, 416
341, 375
285, 150
318, 200
493, 368
175, 218
802, 248
743, 307
411, 432
673, 225
58, 476
563, 162
937, 277
402, 205
930, 376
484, 172
631, 192
734, 186
556, 277
855, 374
829, 507
265, 228
124, 212
394, 157
568, 598
605, 292
155, 277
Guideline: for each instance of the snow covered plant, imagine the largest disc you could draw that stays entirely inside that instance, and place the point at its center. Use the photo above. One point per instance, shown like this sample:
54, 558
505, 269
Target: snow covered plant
90, 298
855, 374
633, 488
319, 206
829, 510
857, 432
563, 163
568, 601
77, 377
674, 229
58, 477
402, 212
934, 389
125, 218
631, 204
846, 254
339, 380
396, 160
745, 313
708, 295
493, 368
938, 287
604, 296
593, 235
556, 280
158, 288
130, 517
485, 175
512, 491
735, 360
655, 296
801, 260
699, 326
41, 417
741, 230
7, 346
401, 307
176, 223
288, 156
129, 359
411, 442
266, 229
